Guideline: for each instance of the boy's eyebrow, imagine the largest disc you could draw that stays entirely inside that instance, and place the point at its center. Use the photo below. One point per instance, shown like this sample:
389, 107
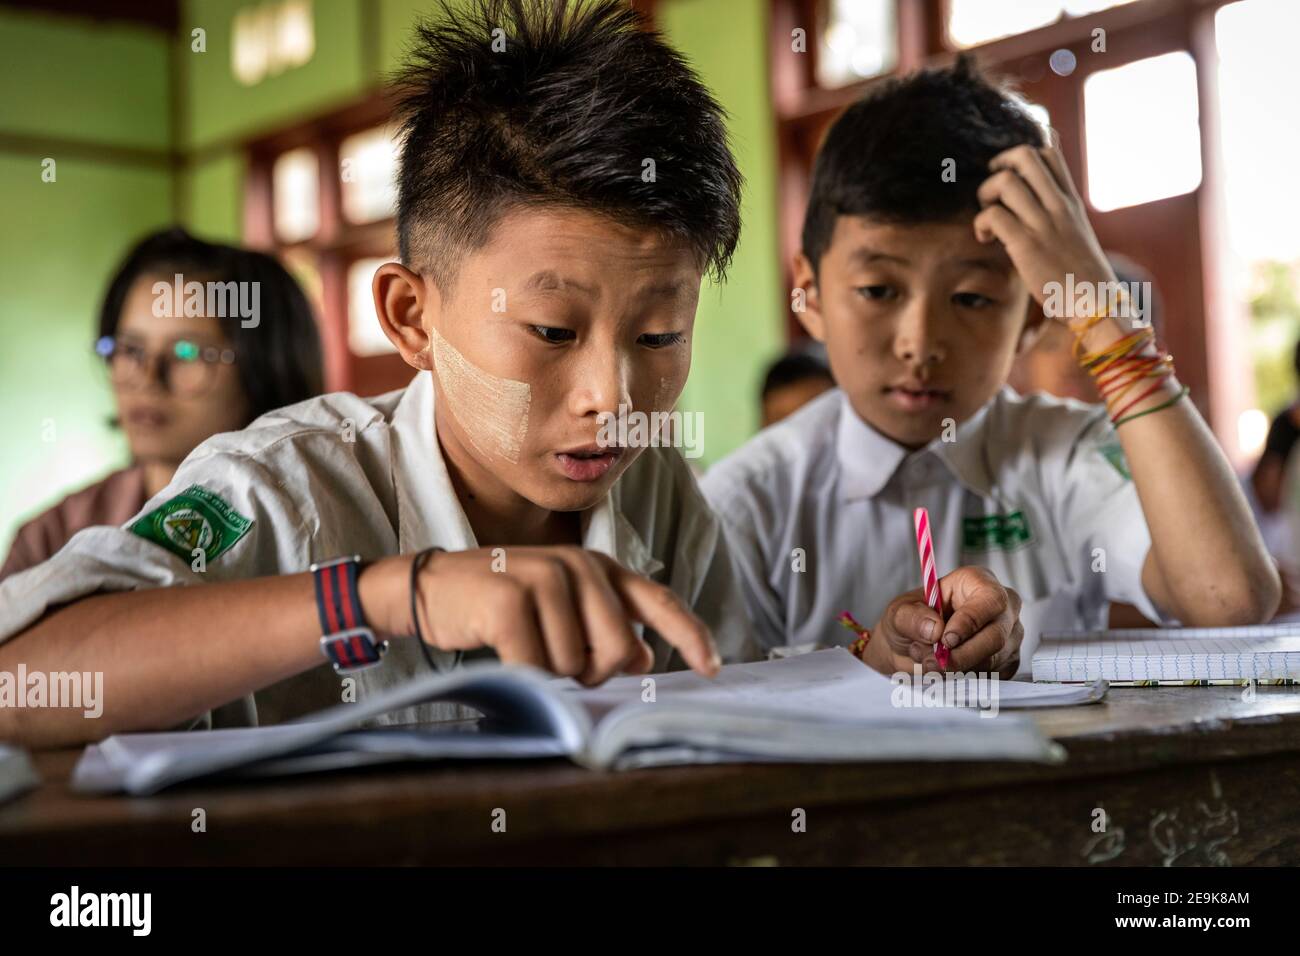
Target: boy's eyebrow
989, 263
666, 289
867, 256
549, 279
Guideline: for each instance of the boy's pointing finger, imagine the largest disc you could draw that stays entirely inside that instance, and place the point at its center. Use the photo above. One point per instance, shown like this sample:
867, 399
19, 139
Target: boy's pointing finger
659, 608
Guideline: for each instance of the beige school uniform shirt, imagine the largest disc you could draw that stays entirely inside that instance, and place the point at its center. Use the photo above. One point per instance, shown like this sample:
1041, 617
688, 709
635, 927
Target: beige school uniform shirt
341, 475
818, 514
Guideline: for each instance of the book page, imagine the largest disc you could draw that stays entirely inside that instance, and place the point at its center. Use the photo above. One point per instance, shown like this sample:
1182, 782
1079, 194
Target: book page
828, 685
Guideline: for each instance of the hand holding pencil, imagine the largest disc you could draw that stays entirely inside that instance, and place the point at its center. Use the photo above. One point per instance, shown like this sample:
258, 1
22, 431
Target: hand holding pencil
930, 576
983, 632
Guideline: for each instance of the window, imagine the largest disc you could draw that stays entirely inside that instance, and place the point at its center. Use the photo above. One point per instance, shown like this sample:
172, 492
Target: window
271, 38
860, 40
368, 170
1142, 131
321, 196
1254, 40
972, 22
296, 187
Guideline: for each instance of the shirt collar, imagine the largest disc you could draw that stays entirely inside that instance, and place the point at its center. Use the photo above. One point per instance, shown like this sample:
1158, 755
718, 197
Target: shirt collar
429, 512
968, 456
869, 459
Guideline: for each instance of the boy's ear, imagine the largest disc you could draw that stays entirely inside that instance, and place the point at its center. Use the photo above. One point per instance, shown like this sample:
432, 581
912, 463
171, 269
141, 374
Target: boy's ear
805, 286
1036, 322
400, 300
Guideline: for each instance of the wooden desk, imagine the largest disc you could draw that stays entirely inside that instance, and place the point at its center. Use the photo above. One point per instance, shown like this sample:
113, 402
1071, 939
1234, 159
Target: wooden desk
1185, 776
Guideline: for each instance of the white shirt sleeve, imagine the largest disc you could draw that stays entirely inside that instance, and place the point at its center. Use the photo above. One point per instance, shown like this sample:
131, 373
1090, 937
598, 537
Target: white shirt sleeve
718, 600
105, 558
699, 567
744, 543
1101, 519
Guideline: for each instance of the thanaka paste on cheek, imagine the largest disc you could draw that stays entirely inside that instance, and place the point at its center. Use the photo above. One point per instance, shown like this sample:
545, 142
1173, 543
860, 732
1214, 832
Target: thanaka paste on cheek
492, 411
663, 401
662, 393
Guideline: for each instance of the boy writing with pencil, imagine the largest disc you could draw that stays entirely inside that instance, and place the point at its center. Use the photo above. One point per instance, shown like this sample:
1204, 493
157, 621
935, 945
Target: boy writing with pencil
938, 221
543, 283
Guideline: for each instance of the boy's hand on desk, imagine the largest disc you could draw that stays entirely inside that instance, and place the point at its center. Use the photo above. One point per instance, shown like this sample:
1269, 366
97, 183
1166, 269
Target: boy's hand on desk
983, 631
567, 610
1031, 206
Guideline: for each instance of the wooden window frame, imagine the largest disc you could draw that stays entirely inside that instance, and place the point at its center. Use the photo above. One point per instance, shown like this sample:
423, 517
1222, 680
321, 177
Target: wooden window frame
337, 242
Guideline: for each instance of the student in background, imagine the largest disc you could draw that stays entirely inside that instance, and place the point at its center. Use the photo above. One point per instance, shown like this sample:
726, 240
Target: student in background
925, 287
793, 381
476, 512
1275, 484
1283, 434
180, 379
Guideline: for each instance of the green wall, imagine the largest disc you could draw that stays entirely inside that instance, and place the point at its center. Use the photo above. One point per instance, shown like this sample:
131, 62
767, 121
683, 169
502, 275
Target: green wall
740, 325
123, 168
89, 82
94, 98
217, 108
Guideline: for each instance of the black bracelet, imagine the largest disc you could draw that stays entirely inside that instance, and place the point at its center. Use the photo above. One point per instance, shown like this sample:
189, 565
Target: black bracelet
419, 562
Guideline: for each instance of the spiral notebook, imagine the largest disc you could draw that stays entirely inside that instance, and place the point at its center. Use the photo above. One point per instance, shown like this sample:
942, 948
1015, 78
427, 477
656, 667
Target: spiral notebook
1265, 654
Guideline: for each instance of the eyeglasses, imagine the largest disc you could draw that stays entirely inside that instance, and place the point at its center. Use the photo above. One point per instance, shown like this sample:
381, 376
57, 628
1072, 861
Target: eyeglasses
185, 368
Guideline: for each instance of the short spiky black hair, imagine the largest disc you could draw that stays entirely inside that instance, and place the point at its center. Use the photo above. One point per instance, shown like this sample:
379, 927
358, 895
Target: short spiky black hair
884, 156
506, 103
795, 367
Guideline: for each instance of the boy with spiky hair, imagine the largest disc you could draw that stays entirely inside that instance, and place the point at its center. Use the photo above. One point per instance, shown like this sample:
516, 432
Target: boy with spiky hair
544, 281
939, 222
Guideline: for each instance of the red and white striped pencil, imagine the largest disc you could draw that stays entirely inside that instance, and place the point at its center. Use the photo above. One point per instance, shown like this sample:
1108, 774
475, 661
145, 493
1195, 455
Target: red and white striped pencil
930, 575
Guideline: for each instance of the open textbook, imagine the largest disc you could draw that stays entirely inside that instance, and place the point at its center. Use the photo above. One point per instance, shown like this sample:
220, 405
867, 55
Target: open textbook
820, 707
1268, 653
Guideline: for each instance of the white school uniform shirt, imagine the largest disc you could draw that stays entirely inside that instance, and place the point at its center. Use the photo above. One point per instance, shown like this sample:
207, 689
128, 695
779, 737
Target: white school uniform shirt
340, 475
818, 513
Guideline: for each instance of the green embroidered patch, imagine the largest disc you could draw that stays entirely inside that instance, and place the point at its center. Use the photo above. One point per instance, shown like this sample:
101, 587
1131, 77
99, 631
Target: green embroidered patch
1002, 532
196, 518
1113, 452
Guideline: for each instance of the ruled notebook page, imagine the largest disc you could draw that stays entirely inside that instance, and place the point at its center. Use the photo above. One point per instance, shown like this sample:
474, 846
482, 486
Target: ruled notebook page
1228, 654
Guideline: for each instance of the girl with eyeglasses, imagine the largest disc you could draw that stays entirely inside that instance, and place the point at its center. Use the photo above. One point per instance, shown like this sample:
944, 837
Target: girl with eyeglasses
178, 379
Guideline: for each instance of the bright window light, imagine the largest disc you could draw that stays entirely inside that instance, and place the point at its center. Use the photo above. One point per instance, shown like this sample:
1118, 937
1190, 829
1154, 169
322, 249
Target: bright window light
295, 184
971, 22
1142, 131
368, 169
860, 40
365, 337
1078, 8
270, 38
1252, 431
1257, 114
